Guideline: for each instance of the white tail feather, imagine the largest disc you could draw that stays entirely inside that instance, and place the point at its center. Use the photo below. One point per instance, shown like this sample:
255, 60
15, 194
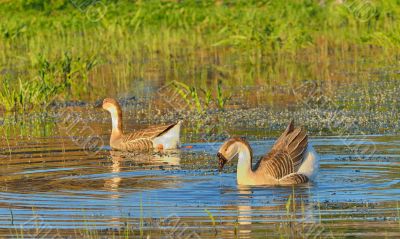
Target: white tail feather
170, 139
311, 163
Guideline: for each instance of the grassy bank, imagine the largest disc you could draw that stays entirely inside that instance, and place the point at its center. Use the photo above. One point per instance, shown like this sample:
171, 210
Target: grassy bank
55, 50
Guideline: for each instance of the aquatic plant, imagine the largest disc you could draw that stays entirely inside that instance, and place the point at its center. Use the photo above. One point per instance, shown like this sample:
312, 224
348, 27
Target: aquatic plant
199, 98
266, 45
26, 94
398, 212
67, 77
212, 220
221, 99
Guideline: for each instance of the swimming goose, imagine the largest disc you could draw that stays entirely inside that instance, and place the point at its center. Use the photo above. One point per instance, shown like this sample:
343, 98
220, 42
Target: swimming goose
155, 137
291, 160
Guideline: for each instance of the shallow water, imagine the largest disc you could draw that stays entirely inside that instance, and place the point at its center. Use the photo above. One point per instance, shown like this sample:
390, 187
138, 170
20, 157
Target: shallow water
51, 186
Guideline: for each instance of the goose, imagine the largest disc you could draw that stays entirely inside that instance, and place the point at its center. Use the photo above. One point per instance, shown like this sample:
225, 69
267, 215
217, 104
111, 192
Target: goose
292, 160
155, 137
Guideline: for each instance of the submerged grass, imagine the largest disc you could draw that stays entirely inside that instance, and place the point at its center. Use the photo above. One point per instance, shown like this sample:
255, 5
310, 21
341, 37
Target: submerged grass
266, 44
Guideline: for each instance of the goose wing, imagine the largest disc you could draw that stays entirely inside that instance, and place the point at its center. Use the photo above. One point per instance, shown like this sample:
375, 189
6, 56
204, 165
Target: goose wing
143, 139
287, 154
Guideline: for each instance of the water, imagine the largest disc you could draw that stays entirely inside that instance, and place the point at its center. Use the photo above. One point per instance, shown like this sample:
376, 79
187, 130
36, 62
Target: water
50, 185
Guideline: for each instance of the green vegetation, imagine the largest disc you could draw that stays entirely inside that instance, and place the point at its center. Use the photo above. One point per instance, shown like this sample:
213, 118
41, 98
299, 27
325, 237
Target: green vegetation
398, 213
68, 77
113, 45
212, 220
200, 99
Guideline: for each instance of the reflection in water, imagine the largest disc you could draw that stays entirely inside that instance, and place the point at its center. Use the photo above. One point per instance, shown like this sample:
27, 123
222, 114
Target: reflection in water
244, 217
170, 157
70, 189
288, 207
112, 184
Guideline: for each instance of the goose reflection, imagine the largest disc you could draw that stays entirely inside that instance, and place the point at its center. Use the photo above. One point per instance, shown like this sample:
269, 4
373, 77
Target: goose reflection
112, 183
269, 204
121, 160
170, 157
244, 213
120, 181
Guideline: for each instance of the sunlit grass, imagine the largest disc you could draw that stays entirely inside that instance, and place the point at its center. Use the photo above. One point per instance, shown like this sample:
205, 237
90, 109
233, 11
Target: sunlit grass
200, 43
201, 99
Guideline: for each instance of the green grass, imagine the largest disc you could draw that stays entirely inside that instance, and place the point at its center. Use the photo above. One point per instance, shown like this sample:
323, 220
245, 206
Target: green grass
201, 99
67, 77
211, 216
52, 50
398, 212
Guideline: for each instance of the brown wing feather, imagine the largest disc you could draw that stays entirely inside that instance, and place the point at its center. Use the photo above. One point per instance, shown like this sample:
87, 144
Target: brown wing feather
142, 139
150, 132
294, 178
281, 140
287, 154
137, 144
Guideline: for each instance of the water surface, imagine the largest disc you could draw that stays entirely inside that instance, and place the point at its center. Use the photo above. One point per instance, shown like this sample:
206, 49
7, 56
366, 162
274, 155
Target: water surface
51, 185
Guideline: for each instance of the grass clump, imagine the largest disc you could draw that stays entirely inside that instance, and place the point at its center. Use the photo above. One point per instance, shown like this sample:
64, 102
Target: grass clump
268, 44
201, 99
67, 77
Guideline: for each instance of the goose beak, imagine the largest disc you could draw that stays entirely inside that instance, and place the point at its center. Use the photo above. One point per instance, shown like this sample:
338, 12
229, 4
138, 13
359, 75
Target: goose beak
221, 161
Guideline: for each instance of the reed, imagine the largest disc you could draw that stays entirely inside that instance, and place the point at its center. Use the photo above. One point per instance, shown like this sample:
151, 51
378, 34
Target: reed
201, 99
214, 224
264, 44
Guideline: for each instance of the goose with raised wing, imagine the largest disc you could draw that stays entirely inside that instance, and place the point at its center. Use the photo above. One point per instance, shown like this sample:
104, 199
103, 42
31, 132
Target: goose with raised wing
155, 137
292, 160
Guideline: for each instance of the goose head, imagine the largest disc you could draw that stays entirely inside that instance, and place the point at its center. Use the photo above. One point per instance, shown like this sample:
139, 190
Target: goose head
230, 149
112, 106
